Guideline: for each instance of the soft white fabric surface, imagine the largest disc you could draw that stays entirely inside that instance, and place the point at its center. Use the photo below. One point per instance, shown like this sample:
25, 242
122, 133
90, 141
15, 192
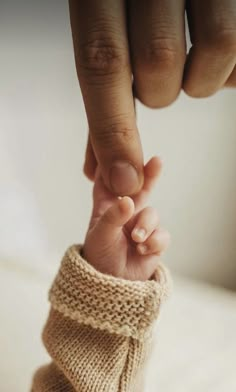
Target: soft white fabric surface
195, 347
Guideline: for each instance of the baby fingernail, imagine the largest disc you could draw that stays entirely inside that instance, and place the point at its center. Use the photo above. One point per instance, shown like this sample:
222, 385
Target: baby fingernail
140, 233
142, 249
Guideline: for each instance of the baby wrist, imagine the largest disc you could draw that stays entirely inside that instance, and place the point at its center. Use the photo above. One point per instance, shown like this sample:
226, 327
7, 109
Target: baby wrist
104, 302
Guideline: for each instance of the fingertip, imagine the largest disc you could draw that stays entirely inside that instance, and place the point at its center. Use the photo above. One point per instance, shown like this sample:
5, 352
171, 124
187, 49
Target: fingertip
122, 211
126, 204
156, 158
156, 243
153, 168
118, 213
138, 234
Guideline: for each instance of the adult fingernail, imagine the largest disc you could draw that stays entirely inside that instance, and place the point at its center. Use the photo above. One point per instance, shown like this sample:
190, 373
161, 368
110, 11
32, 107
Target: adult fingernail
124, 178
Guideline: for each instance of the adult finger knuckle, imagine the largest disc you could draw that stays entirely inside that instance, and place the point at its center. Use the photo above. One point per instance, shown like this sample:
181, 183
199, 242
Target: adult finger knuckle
222, 36
226, 40
161, 55
162, 60
115, 135
101, 56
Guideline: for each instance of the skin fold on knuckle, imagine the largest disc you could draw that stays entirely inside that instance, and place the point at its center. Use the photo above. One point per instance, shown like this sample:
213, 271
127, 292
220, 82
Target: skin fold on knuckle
222, 42
219, 55
219, 33
226, 41
162, 61
162, 51
101, 56
214, 25
114, 136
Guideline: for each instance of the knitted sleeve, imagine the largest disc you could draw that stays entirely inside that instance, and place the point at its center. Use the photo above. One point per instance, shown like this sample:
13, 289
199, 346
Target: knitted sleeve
99, 328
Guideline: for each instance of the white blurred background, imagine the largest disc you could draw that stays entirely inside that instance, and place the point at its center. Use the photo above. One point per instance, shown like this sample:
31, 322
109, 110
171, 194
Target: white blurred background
45, 200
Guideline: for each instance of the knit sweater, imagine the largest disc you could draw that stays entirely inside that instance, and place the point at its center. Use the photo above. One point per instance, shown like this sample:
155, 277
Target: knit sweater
99, 328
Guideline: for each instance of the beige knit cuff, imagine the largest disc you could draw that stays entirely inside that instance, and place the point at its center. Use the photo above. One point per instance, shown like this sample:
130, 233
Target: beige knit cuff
119, 306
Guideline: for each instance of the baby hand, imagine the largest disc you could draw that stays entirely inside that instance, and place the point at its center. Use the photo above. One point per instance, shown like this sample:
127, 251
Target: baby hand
124, 238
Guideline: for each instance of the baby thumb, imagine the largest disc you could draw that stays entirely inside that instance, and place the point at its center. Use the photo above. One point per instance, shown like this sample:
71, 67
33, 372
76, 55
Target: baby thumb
112, 221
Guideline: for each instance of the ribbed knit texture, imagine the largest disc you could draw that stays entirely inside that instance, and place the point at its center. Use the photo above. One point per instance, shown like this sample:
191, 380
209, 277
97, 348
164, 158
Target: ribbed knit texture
99, 328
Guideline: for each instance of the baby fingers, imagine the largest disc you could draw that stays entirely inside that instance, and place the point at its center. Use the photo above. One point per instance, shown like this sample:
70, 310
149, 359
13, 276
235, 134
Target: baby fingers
146, 222
156, 243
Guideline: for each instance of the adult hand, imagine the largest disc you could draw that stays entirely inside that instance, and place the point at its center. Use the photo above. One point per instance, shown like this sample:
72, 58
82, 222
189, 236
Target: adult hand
142, 43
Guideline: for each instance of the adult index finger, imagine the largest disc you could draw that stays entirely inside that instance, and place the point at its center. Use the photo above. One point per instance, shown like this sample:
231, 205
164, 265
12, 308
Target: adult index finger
104, 72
